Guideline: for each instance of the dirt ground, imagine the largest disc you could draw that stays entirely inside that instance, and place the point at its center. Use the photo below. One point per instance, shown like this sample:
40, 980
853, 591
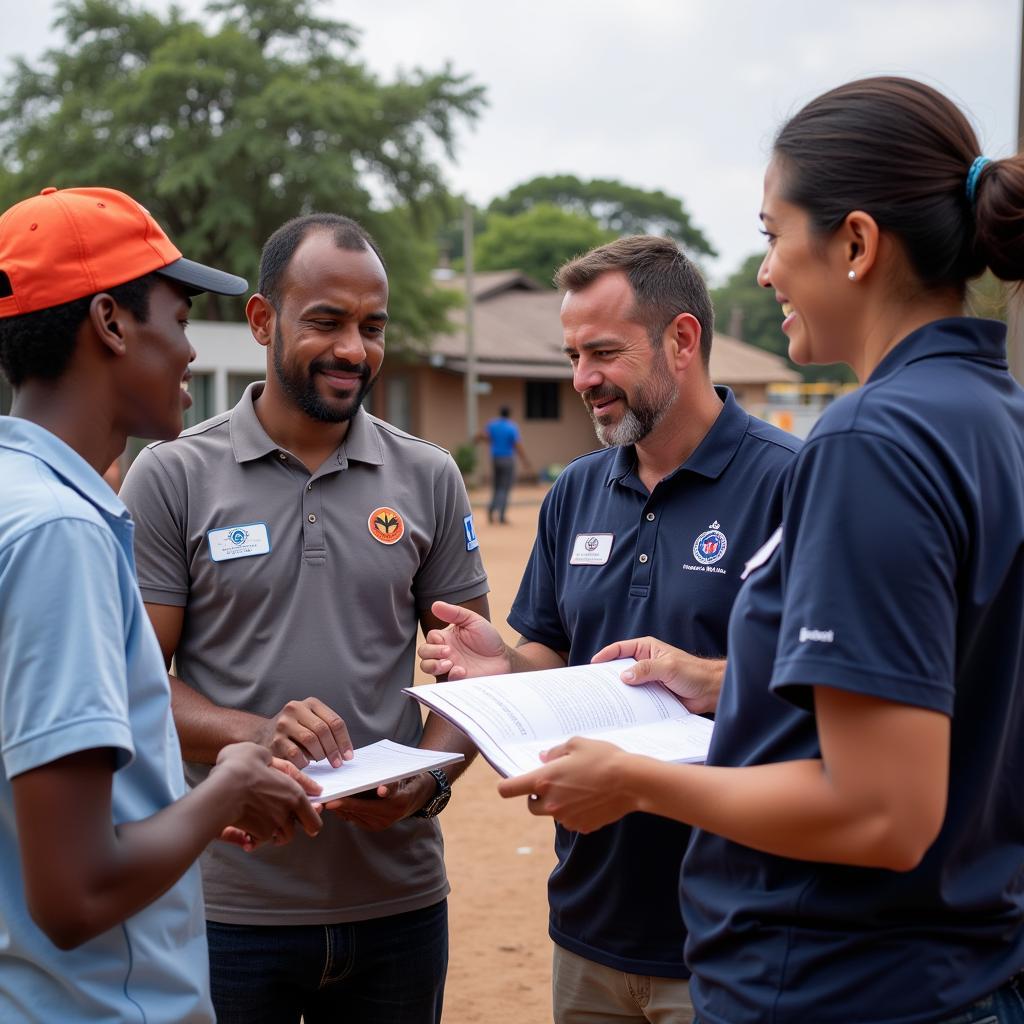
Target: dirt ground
498, 855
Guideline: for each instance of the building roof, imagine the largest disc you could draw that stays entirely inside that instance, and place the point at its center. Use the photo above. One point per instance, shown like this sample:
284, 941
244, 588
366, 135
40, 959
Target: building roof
517, 333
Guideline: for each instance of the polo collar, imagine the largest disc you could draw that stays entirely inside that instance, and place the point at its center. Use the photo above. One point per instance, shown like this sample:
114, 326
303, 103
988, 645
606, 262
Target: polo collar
710, 457
964, 336
30, 438
249, 441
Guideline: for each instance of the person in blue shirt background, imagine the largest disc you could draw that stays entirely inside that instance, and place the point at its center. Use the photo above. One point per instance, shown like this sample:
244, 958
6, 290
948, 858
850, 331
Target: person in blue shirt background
502, 434
859, 850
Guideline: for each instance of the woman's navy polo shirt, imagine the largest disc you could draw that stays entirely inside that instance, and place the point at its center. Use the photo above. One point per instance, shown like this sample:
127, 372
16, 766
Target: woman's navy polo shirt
900, 575
612, 561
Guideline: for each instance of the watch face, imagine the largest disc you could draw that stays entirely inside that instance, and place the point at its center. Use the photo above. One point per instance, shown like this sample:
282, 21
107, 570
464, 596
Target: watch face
440, 801
438, 804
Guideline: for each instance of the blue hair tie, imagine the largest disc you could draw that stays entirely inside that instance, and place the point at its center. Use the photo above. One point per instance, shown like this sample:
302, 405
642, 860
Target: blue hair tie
973, 175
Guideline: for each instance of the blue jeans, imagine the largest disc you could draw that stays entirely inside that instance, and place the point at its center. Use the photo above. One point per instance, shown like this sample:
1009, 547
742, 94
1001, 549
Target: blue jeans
389, 970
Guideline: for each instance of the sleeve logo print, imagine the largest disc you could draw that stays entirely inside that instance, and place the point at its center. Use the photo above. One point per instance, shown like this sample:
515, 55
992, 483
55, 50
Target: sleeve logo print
816, 636
386, 525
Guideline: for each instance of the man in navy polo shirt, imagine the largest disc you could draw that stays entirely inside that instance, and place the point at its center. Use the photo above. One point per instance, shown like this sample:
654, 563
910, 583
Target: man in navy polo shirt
648, 536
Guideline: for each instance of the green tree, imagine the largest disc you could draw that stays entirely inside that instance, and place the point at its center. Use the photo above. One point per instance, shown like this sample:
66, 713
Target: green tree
225, 127
750, 312
617, 207
537, 241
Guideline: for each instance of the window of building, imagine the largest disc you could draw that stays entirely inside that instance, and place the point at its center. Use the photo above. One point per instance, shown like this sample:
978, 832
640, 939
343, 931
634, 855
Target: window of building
542, 399
398, 403
237, 383
201, 390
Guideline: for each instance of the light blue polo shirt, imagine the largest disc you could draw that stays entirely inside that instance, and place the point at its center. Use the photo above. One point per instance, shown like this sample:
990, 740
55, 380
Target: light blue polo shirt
80, 669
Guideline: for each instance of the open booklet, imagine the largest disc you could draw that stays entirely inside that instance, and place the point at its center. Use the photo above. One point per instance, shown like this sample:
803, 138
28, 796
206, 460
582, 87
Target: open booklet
375, 765
512, 718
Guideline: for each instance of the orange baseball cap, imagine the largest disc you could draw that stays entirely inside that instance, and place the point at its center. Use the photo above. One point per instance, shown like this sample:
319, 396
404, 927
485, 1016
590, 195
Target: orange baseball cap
65, 244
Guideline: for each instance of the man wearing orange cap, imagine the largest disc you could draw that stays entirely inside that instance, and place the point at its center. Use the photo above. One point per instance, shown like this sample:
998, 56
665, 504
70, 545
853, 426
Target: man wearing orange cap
100, 903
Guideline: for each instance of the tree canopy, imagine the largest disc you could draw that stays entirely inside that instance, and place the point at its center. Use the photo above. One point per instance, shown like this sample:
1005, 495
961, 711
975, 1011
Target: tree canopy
226, 127
617, 207
537, 241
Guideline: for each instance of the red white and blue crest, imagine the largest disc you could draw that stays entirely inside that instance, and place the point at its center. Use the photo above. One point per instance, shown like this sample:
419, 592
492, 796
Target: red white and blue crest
710, 546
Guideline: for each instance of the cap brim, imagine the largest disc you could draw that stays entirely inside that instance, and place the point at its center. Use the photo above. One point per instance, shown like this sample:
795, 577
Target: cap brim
204, 279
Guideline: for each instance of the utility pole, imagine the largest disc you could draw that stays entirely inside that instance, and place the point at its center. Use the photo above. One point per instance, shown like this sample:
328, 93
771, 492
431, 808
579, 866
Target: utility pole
471, 388
1015, 303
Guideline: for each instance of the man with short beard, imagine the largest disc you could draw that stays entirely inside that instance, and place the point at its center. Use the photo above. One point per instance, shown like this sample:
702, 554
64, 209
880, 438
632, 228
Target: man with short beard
287, 552
648, 536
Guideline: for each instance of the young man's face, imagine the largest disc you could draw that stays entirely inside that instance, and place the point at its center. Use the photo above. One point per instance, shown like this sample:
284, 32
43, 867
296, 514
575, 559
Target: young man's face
155, 375
328, 343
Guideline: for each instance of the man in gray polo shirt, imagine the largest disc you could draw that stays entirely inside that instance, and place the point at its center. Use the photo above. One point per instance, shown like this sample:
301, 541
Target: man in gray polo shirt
287, 552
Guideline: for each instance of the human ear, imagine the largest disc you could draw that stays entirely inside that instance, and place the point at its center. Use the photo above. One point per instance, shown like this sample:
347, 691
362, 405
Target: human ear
859, 238
260, 314
683, 336
108, 322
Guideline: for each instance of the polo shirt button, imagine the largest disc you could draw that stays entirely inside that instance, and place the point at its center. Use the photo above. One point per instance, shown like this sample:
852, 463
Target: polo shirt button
643, 559
650, 517
282, 456
311, 517
309, 487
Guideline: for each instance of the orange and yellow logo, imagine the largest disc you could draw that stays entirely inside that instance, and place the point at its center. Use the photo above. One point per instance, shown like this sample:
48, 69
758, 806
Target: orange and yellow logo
386, 525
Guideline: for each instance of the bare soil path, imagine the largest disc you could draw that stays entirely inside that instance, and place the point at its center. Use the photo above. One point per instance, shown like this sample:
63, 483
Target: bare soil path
498, 855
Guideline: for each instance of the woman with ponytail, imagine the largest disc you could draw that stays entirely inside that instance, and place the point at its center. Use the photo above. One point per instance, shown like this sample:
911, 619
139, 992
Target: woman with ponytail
859, 852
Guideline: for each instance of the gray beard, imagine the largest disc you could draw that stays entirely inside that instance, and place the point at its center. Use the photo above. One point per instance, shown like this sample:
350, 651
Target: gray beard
646, 412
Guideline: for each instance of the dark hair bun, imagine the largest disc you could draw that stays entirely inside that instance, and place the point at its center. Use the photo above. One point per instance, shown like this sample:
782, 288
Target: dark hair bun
999, 216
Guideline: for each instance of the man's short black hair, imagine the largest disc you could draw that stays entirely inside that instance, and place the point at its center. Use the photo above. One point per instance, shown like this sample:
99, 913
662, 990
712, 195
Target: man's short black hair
281, 245
38, 346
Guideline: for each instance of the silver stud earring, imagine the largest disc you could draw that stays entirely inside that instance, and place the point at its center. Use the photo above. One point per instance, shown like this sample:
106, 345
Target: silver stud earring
852, 275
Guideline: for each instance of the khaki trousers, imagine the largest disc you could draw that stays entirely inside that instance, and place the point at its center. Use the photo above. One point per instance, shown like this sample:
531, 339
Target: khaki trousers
588, 993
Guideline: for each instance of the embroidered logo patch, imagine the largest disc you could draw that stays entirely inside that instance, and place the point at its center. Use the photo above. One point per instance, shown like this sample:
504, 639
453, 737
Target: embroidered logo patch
710, 546
386, 525
472, 541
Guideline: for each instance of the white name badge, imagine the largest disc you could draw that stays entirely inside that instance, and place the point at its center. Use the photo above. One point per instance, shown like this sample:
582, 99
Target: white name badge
592, 548
239, 541
763, 553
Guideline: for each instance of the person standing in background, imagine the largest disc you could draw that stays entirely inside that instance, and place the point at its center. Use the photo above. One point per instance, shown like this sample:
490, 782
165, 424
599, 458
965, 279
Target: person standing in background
502, 433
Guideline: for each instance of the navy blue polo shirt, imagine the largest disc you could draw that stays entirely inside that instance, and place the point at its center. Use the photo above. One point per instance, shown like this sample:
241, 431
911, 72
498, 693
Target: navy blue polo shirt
613, 561
900, 575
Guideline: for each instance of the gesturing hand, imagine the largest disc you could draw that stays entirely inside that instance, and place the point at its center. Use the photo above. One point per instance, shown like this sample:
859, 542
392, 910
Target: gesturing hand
306, 730
696, 681
468, 646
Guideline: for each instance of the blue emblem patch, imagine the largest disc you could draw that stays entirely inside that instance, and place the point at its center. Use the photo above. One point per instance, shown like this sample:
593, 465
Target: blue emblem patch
710, 546
471, 541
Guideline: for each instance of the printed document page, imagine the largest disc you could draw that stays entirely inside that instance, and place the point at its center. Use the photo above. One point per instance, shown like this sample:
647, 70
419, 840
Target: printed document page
375, 765
512, 718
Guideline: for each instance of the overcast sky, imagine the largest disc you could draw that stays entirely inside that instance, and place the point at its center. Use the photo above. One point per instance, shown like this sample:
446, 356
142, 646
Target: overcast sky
682, 95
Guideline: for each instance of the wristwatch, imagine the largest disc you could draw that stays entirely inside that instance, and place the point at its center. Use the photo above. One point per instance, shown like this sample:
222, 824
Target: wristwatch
439, 801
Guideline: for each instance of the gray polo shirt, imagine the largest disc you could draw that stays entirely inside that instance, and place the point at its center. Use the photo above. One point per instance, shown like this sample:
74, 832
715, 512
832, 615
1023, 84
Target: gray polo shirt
298, 585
